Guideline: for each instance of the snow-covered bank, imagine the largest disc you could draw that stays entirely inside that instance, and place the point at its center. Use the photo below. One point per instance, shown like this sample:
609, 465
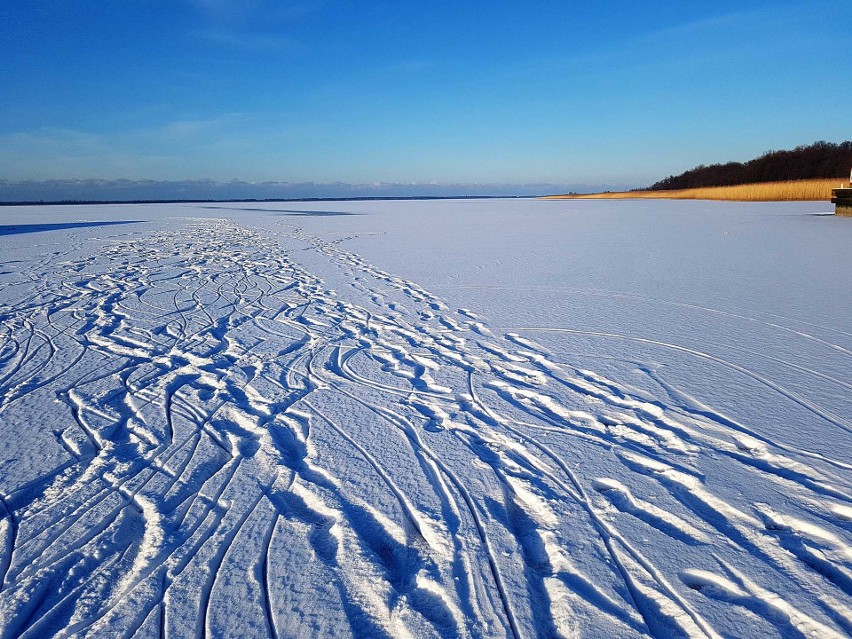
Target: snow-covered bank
496, 418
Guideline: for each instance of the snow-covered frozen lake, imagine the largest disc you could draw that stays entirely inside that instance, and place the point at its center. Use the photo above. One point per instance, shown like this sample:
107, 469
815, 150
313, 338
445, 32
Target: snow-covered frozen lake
468, 418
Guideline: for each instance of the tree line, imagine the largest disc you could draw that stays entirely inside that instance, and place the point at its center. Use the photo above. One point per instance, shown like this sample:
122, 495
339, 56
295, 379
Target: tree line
817, 160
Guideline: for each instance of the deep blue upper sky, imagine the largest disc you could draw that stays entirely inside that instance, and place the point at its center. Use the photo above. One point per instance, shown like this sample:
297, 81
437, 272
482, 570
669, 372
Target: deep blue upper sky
483, 92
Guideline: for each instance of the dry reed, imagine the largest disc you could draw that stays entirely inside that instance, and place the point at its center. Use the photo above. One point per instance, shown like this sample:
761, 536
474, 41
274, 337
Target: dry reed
762, 192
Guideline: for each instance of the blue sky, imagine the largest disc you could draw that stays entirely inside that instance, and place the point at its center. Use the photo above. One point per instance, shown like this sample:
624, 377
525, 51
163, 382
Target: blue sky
398, 92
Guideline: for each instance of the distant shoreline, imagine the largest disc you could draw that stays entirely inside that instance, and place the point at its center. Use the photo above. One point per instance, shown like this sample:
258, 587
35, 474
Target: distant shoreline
276, 199
818, 190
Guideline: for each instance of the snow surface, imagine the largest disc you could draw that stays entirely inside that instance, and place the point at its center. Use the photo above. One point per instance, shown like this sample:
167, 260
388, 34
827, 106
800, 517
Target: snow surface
481, 418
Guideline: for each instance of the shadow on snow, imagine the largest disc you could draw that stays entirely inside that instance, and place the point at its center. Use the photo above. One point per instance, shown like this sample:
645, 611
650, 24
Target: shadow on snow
15, 229
306, 213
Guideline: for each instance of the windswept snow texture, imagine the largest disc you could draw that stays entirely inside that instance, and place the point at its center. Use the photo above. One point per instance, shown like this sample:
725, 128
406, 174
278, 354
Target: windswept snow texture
426, 419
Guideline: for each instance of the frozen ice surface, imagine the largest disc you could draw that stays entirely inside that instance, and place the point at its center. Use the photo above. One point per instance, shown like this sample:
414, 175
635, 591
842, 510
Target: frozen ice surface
470, 418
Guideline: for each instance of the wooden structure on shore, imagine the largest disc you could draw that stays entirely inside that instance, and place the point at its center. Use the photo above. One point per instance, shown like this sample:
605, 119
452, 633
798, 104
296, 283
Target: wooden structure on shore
842, 200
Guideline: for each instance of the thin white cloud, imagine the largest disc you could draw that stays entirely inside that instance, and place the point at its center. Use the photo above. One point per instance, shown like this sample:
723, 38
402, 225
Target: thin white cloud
705, 25
244, 11
250, 41
51, 141
70, 153
253, 25
691, 43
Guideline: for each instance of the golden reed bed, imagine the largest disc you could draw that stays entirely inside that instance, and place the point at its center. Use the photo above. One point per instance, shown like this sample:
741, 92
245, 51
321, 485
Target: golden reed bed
762, 192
